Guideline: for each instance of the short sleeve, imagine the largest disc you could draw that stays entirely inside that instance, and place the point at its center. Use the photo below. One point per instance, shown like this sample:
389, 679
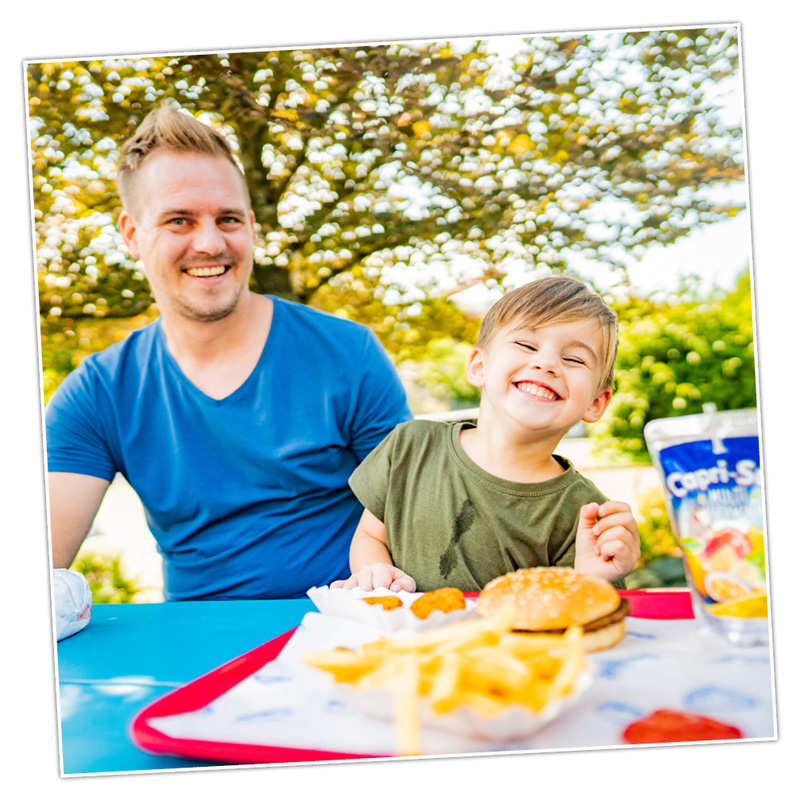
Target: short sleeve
380, 403
370, 480
74, 433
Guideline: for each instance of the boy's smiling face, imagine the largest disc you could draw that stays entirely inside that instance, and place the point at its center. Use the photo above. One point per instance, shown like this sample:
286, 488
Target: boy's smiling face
545, 379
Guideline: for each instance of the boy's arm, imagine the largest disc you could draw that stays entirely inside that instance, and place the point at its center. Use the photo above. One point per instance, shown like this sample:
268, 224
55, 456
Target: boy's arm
370, 561
607, 540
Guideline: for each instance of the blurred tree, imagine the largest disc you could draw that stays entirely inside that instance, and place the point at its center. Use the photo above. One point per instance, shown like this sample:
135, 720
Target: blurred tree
444, 374
106, 578
673, 357
397, 174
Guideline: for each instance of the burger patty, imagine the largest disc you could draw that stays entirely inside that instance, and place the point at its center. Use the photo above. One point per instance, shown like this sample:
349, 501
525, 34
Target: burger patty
622, 611
615, 616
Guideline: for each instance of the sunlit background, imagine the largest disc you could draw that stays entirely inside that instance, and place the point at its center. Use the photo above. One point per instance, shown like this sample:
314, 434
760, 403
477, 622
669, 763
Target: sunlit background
408, 186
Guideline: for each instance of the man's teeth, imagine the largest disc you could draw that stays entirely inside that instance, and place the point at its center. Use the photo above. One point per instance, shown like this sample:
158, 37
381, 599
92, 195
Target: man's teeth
205, 272
538, 391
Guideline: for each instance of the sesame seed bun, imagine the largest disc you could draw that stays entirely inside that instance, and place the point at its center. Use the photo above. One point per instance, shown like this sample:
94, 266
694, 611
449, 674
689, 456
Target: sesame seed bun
551, 599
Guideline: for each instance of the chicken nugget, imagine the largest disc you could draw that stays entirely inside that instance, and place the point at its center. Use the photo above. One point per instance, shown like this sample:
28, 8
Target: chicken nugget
446, 599
387, 601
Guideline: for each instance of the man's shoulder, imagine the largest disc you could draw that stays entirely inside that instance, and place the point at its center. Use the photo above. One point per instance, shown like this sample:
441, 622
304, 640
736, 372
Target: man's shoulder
133, 352
317, 318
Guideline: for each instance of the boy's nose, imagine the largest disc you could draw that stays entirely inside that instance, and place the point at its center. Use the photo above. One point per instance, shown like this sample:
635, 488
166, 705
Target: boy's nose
545, 363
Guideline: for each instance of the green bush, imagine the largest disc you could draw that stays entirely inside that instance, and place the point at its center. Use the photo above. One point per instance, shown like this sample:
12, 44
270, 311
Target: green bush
105, 578
664, 572
660, 563
444, 373
655, 530
674, 358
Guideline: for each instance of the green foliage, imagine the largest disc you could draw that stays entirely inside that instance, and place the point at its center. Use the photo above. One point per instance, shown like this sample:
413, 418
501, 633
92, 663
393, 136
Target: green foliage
405, 329
105, 577
665, 571
379, 172
660, 563
655, 530
672, 359
444, 374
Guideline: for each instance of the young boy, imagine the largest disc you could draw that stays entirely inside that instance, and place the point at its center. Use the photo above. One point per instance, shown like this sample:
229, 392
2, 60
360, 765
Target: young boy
456, 504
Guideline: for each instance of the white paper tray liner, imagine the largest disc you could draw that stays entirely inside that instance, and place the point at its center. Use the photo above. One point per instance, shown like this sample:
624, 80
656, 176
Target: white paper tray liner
677, 664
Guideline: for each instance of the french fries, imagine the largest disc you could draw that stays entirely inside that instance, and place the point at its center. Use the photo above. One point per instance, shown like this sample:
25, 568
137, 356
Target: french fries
479, 664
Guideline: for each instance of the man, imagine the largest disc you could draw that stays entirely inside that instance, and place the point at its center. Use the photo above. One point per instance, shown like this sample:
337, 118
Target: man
236, 417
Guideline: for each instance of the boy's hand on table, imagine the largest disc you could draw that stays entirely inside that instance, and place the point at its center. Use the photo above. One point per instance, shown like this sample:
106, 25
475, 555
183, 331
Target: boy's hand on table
378, 576
607, 540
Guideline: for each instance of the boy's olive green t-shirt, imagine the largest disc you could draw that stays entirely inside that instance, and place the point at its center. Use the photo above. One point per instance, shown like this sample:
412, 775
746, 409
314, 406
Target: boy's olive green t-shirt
450, 523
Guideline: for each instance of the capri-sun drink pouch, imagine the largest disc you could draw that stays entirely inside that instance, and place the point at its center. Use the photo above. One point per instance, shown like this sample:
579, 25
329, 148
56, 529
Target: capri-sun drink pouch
710, 466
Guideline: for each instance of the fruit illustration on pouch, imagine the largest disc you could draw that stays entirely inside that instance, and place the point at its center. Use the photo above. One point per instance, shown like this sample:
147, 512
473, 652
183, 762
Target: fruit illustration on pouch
751, 605
696, 571
750, 574
723, 586
732, 538
756, 538
724, 564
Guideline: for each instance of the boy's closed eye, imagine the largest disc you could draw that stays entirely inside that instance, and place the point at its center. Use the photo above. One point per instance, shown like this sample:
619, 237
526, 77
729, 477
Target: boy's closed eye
532, 349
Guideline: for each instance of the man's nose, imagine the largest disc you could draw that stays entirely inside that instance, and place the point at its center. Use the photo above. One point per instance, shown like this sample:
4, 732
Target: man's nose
208, 238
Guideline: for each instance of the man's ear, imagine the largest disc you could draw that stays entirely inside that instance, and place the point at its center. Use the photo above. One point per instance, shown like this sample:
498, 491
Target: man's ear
127, 227
598, 407
476, 367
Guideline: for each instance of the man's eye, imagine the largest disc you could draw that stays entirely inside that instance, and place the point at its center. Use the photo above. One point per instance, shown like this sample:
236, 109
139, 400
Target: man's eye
230, 221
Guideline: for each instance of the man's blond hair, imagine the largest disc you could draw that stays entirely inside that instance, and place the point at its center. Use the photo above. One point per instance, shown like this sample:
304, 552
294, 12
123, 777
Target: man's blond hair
164, 128
549, 301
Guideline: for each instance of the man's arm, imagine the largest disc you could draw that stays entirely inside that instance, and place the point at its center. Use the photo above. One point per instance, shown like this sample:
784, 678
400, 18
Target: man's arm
74, 501
382, 402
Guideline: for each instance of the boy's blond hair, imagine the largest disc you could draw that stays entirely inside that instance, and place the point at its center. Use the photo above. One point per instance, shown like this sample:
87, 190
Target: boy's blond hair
164, 128
551, 300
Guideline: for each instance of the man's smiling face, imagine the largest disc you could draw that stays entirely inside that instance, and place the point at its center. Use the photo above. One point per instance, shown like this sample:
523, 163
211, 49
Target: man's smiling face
543, 379
192, 227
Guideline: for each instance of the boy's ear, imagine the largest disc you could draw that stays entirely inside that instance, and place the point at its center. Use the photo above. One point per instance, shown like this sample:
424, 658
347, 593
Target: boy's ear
597, 407
476, 368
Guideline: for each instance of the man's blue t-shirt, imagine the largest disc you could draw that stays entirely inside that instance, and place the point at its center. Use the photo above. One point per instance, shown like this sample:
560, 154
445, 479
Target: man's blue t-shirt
247, 496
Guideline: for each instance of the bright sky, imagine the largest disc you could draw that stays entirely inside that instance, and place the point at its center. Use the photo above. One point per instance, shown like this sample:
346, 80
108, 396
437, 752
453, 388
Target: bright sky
717, 254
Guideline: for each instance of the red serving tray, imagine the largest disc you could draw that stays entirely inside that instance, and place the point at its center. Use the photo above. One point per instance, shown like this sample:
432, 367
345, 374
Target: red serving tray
647, 604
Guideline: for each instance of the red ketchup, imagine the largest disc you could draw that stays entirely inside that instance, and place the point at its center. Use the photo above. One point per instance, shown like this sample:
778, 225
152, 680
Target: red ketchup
677, 726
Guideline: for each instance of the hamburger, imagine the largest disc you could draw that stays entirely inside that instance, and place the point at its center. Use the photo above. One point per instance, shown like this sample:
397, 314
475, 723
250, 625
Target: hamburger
552, 599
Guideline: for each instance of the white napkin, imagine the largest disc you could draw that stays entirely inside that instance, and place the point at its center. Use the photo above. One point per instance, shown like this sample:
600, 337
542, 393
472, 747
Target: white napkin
73, 602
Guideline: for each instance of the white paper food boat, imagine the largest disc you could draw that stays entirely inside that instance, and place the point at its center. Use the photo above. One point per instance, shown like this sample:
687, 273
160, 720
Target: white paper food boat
515, 723
349, 604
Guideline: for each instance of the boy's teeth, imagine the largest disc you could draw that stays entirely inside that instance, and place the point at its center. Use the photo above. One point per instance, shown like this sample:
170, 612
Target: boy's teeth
539, 391
205, 272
